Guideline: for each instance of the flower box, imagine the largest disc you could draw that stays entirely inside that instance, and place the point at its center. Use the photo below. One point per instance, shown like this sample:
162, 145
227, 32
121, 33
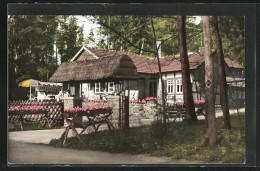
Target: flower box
22, 110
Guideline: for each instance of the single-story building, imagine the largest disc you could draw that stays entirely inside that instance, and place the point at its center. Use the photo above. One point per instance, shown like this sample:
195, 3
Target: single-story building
95, 73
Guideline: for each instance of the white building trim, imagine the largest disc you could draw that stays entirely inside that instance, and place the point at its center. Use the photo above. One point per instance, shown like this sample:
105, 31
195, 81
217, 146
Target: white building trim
83, 48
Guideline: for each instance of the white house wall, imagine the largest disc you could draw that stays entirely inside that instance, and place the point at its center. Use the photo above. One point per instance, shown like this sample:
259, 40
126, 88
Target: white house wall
142, 86
174, 97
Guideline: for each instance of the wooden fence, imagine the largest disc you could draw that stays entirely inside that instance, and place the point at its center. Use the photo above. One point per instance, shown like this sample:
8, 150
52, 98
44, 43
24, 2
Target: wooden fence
55, 114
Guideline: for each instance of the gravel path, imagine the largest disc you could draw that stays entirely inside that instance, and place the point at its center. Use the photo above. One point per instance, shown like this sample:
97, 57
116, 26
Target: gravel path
31, 153
31, 147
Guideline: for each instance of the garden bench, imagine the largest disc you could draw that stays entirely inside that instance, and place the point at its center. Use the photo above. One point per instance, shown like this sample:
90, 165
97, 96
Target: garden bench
178, 111
175, 112
95, 119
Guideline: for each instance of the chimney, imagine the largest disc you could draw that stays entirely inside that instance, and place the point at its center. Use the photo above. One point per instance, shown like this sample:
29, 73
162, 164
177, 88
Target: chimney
158, 44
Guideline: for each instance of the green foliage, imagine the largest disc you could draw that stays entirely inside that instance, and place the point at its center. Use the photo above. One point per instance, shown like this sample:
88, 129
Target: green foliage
232, 32
179, 140
31, 41
138, 31
70, 37
30, 47
118, 29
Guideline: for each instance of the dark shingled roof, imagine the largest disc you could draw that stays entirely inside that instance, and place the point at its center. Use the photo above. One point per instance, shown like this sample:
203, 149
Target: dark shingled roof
232, 64
120, 65
149, 65
116, 67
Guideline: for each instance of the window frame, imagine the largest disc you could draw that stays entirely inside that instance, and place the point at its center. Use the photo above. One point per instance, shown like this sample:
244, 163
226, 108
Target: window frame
109, 87
98, 86
170, 86
179, 83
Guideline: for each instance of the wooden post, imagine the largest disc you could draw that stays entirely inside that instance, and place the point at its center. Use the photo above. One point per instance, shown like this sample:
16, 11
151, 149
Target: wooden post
120, 111
30, 93
125, 113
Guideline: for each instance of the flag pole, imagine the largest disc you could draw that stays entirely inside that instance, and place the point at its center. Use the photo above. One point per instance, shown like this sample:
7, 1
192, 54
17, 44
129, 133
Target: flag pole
30, 93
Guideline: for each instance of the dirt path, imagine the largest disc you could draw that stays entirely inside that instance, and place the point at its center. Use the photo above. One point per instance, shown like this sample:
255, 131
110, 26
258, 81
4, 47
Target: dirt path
30, 153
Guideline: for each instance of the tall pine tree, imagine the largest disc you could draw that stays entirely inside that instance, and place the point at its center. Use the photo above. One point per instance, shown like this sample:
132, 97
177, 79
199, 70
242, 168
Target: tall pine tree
70, 38
30, 41
190, 114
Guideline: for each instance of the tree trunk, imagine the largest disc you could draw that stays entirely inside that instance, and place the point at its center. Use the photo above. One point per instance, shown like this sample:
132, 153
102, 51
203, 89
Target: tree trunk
222, 75
190, 114
11, 61
160, 73
163, 92
125, 113
210, 136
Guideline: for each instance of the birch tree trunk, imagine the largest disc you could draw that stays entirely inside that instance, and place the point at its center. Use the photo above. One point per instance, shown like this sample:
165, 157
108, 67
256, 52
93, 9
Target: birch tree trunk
160, 72
190, 114
222, 75
210, 137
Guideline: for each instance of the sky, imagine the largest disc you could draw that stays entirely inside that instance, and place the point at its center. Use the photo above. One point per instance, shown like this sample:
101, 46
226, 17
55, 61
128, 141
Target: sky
87, 27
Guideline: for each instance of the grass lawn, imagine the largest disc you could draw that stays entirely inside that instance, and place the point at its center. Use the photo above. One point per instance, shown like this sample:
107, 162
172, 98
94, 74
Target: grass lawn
178, 140
29, 126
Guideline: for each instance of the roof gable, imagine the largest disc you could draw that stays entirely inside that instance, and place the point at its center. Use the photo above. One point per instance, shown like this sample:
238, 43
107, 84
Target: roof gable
232, 64
81, 51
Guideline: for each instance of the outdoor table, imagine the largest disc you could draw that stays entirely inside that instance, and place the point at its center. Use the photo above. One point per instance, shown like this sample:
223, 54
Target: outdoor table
95, 119
21, 114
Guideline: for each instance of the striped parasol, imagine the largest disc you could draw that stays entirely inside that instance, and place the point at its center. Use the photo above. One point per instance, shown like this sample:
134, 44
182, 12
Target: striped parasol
29, 83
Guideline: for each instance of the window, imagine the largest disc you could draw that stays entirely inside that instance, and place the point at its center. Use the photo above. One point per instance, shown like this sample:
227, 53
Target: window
111, 87
169, 86
178, 86
72, 90
98, 87
101, 87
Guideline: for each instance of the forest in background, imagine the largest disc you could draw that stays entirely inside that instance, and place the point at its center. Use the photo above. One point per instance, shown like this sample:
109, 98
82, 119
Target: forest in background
36, 43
